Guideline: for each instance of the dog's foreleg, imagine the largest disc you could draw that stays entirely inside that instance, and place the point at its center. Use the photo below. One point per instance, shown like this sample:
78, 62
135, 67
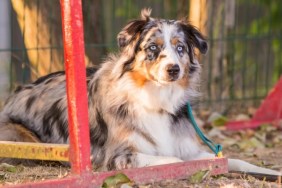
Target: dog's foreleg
236, 165
151, 160
125, 156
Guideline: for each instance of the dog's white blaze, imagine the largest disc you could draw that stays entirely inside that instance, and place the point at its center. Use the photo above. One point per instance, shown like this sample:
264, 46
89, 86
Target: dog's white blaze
168, 31
171, 56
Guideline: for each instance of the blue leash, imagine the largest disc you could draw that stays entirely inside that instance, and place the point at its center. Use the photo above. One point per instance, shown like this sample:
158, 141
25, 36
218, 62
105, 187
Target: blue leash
216, 148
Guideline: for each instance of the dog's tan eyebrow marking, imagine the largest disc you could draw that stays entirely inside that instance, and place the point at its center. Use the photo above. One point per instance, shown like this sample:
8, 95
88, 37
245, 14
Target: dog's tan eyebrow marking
149, 36
174, 40
159, 41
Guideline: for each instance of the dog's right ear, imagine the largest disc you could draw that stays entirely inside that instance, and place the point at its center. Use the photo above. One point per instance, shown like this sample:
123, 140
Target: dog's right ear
131, 32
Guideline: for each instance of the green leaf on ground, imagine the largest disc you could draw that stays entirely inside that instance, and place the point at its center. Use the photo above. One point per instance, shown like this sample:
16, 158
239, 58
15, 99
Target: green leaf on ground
251, 143
116, 181
2, 176
217, 119
8, 168
199, 176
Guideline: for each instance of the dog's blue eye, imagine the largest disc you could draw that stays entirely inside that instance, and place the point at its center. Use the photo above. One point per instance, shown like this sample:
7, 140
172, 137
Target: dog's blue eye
180, 48
153, 47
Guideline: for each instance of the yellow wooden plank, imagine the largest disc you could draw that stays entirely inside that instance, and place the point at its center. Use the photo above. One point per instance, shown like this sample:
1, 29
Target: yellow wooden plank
41, 151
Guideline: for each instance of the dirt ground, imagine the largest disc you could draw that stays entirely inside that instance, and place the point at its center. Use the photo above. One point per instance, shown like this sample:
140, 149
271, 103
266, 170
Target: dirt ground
262, 147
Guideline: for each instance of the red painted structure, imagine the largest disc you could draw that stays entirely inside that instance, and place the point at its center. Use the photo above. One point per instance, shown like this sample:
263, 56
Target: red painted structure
139, 175
76, 85
270, 111
81, 175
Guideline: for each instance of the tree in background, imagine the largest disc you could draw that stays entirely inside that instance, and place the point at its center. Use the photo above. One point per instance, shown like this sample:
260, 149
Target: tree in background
41, 30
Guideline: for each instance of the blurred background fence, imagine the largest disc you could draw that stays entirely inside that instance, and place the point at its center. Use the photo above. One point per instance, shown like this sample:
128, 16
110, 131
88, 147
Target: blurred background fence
245, 38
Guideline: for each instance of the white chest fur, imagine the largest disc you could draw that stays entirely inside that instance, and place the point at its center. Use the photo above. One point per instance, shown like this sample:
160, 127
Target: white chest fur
157, 126
155, 97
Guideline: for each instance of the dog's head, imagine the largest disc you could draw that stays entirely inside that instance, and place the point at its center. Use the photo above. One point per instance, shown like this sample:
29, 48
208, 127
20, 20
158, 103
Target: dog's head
160, 50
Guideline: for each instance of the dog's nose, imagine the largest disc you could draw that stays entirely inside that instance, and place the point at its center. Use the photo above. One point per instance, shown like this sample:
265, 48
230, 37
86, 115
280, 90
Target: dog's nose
173, 70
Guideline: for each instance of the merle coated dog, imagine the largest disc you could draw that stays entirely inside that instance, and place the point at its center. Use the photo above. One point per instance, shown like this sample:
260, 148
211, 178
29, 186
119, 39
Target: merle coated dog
136, 101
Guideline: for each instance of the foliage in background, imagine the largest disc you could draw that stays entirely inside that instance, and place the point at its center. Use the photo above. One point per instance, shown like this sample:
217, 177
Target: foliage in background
244, 60
271, 23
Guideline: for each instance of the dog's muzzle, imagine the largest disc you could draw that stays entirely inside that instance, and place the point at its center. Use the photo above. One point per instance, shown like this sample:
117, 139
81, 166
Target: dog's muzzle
173, 72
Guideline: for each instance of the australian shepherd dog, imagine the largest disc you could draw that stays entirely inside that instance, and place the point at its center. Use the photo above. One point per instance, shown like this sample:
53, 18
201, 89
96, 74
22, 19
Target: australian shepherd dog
136, 100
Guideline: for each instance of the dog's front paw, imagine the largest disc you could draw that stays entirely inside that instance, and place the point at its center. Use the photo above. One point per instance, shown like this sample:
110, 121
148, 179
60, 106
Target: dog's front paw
121, 161
165, 160
152, 160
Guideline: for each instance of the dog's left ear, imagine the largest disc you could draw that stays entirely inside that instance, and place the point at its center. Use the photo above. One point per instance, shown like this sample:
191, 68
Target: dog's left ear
132, 30
194, 37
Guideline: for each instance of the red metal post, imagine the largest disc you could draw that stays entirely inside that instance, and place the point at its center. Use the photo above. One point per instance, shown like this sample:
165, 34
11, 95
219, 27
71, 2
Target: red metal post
76, 86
